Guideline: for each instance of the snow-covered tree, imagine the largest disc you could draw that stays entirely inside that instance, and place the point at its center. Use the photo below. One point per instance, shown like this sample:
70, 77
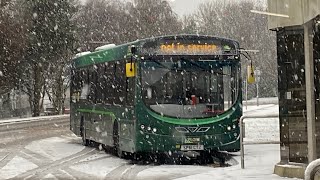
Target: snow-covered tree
50, 45
12, 46
154, 18
234, 20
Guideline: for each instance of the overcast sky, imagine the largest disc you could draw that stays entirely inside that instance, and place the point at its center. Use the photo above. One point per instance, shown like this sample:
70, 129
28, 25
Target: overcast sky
182, 7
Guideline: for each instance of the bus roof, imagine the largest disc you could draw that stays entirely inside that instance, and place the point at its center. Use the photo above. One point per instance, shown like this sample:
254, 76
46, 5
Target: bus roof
120, 52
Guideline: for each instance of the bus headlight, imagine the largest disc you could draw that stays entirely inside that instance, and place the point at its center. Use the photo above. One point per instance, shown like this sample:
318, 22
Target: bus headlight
149, 128
142, 126
234, 126
229, 128
154, 130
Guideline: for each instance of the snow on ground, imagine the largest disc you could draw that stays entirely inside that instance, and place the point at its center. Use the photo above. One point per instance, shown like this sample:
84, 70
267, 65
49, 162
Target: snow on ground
100, 167
54, 148
259, 163
15, 167
260, 159
262, 129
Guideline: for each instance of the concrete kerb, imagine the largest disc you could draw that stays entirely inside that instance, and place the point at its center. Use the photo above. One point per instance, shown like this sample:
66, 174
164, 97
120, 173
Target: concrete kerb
16, 124
289, 170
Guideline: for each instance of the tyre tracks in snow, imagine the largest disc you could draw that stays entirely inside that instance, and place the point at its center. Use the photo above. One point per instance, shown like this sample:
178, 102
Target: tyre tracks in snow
126, 172
49, 167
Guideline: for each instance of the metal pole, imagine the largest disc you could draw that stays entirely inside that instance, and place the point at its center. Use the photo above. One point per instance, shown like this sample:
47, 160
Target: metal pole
242, 131
310, 102
241, 142
246, 94
257, 93
257, 72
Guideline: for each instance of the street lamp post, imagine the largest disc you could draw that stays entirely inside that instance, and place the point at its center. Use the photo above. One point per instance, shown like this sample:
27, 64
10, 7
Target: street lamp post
257, 73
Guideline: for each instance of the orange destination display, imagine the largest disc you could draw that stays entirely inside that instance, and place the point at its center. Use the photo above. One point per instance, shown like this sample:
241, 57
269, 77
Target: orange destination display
189, 48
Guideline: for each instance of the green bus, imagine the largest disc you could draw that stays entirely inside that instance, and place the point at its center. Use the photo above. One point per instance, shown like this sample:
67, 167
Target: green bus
162, 94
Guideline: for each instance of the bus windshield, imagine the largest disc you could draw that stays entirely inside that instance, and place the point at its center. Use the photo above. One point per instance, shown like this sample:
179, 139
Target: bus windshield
189, 89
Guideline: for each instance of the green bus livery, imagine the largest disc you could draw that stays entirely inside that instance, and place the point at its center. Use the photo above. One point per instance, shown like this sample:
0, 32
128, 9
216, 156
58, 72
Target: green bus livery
157, 95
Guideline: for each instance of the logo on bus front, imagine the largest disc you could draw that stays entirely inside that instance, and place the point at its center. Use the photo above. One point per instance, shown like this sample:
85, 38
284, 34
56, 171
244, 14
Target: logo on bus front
192, 140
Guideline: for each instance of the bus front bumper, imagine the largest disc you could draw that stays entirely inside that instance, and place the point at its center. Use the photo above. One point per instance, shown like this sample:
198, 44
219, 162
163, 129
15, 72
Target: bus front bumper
150, 142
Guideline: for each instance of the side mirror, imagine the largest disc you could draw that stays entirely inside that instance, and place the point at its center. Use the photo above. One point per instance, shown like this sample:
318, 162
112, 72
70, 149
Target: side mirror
130, 69
133, 50
251, 78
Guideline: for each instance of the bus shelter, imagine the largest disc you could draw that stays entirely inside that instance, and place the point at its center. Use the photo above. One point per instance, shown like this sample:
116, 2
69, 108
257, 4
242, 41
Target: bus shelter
297, 26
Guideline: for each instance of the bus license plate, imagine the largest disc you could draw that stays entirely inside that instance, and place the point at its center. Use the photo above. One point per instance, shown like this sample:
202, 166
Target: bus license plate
191, 147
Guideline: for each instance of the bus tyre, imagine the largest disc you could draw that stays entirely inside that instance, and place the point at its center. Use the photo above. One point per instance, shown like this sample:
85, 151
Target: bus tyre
116, 141
85, 141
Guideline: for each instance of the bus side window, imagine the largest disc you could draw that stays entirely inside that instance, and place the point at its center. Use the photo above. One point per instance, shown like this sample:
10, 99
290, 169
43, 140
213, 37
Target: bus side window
92, 85
130, 91
84, 84
120, 83
75, 81
108, 77
100, 86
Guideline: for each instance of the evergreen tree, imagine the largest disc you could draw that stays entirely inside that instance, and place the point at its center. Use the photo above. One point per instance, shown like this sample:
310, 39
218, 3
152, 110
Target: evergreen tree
154, 18
12, 46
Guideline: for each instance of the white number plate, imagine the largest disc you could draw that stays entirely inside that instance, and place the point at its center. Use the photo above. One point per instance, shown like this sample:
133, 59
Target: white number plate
191, 147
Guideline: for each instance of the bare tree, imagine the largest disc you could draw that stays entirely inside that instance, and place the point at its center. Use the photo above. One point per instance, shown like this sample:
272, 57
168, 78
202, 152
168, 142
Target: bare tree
50, 42
190, 24
103, 21
235, 21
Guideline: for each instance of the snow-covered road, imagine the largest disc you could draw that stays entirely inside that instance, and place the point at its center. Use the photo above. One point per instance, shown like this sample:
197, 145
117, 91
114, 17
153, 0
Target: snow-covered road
63, 157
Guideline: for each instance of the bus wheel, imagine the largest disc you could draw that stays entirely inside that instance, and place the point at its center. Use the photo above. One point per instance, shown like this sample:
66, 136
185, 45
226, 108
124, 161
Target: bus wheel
85, 141
116, 140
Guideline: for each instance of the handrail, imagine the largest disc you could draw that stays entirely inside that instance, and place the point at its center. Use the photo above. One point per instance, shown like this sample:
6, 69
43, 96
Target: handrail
311, 170
242, 128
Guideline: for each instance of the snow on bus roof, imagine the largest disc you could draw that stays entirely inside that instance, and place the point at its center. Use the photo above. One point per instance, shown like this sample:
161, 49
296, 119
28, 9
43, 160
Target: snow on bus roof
82, 54
105, 47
